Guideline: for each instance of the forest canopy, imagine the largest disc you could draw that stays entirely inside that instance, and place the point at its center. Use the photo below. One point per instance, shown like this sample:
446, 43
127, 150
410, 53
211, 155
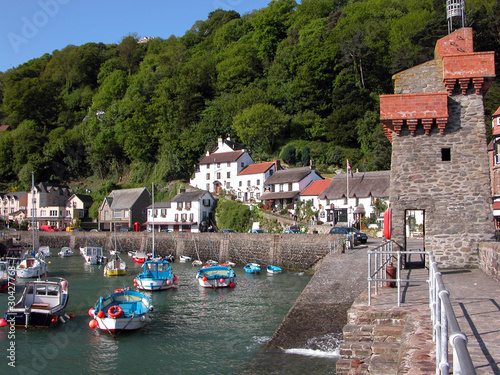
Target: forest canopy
283, 79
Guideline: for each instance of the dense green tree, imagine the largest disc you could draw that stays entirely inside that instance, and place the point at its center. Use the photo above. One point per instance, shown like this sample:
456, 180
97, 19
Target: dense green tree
232, 215
288, 154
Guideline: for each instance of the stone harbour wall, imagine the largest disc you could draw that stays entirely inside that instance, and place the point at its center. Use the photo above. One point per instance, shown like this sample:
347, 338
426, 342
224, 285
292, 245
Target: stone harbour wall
291, 251
489, 259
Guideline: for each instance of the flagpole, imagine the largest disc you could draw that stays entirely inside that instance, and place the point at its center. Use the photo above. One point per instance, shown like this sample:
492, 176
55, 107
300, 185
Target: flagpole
347, 178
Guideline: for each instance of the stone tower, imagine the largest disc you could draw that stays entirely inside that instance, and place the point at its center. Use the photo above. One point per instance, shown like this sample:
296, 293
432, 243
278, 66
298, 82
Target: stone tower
435, 121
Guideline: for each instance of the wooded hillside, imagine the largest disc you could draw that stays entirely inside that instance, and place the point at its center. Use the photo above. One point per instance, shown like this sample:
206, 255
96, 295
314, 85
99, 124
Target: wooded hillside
291, 81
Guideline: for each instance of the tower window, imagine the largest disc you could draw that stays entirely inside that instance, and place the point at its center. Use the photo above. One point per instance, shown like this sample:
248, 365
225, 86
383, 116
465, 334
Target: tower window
445, 154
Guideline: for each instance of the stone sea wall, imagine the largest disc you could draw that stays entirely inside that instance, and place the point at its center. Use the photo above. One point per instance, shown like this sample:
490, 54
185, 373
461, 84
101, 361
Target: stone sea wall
489, 259
295, 251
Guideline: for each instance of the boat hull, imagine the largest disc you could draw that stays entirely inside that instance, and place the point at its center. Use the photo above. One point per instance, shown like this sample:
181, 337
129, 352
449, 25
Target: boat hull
252, 268
216, 277
115, 272
154, 284
125, 324
36, 318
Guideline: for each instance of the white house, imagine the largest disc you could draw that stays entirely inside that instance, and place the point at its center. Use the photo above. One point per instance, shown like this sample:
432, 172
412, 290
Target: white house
186, 212
11, 203
78, 206
48, 203
249, 183
312, 192
284, 186
365, 188
217, 171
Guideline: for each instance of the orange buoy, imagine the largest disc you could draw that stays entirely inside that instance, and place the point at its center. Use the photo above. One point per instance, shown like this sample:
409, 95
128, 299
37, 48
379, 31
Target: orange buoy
3, 322
93, 324
119, 290
231, 285
101, 314
204, 278
54, 318
91, 311
115, 311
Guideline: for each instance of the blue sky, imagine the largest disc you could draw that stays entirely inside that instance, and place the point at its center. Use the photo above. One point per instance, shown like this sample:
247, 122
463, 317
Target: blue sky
31, 28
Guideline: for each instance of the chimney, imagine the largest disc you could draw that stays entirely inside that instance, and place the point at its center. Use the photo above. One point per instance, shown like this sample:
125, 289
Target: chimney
277, 164
312, 165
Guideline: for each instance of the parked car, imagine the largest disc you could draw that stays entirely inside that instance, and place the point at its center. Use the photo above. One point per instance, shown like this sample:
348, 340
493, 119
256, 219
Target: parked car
125, 229
347, 232
256, 231
227, 231
95, 230
360, 236
77, 230
292, 229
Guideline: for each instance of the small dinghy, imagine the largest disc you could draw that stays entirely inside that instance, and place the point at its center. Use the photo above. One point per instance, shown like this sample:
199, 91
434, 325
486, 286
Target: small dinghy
273, 270
42, 304
221, 276
44, 250
197, 262
140, 257
184, 259
122, 310
65, 252
252, 268
94, 255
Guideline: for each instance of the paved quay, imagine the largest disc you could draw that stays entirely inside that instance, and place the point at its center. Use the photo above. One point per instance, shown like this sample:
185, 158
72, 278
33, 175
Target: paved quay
385, 339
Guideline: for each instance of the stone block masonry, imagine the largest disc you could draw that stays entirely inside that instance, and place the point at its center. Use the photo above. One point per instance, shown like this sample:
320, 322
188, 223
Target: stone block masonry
290, 251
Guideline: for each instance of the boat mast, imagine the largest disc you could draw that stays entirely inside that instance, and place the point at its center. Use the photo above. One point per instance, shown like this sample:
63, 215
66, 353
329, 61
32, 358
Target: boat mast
33, 210
153, 218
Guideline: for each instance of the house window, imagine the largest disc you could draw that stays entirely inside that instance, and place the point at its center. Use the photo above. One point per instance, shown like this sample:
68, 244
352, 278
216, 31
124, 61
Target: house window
240, 183
228, 174
208, 166
208, 176
228, 185
117, 214
251, 195
218, 176
281, 187
445, 154
242, 164
53, 213
257, 195
290, 187
68, 213
126, 214
183, 217
188, 205
228, 164
176, 217
81, 214
191, 217
239, 194
106, 215
179, 206
248, 183
42, 213
218, 165
258, 182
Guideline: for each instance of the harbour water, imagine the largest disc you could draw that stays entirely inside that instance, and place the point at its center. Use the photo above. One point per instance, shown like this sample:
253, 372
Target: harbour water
194, 330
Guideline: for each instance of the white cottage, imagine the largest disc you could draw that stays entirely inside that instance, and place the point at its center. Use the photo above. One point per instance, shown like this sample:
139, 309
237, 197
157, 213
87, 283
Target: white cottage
217, 170
186, 212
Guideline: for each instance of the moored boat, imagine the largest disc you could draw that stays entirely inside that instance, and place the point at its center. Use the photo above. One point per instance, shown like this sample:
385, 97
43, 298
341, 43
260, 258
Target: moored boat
44, 250
42, 304
140, 257
4, 275
197, 262
273, 270
115, 267
184, 259
220, 276
14, 256
65, 252
94, 255
31, 267
122, 310
156, 275
252, 268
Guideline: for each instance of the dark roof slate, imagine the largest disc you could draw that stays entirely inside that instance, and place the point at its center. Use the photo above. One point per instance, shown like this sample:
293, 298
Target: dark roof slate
362, 185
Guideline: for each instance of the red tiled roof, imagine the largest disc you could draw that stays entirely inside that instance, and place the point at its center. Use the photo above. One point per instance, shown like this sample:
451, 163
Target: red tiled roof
256, 168
4, 127
316, 187
221, 157
497, 112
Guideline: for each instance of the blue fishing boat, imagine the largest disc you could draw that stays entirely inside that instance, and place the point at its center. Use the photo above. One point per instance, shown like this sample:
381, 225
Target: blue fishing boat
156, 272
252, 268
122, 310
273, 270
156, 275
219, 276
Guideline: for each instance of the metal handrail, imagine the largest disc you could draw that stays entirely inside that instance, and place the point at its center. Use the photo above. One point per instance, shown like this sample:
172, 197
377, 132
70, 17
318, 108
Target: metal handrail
446, 330
444, 320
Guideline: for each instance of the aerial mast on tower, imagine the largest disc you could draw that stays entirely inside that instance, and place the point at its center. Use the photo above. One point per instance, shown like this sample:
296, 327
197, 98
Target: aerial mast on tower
455, 11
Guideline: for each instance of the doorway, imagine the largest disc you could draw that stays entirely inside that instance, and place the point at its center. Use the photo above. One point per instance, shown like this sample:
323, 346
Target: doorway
415, 237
